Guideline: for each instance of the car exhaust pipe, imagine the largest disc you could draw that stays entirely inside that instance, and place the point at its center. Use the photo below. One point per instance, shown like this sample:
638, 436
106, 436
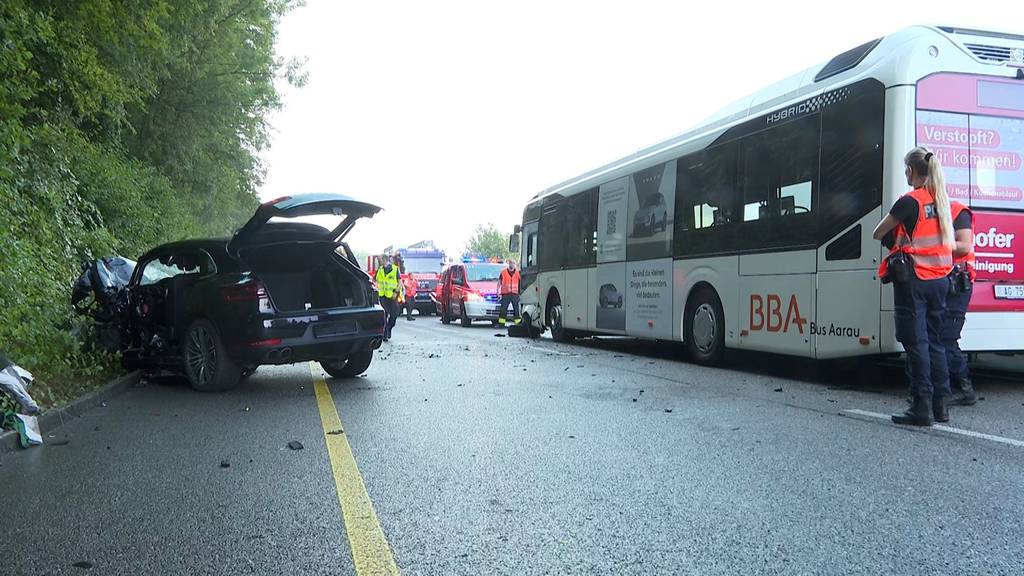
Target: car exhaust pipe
286, 353
273, 355
376, 343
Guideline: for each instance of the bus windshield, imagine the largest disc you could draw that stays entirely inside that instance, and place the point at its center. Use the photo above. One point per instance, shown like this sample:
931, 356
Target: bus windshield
483, 272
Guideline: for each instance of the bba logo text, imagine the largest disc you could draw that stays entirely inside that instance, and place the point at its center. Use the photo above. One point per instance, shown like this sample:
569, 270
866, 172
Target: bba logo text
766, 314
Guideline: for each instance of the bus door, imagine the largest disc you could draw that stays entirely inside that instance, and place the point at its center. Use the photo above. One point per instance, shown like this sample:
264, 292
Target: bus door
847, 318
778, 180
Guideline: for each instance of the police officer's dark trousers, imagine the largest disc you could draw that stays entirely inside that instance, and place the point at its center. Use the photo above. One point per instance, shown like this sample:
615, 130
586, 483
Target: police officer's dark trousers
920, 306
391, 311
952, 326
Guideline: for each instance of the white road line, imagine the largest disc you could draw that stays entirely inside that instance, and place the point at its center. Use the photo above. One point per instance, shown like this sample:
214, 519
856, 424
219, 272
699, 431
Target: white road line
549, 351
944, 428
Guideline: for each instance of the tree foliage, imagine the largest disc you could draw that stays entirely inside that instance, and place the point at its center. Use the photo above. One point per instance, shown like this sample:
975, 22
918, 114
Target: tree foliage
123, 124
489, 242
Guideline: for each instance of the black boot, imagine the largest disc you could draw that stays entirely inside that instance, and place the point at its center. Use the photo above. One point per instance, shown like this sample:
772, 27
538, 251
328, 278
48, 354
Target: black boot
919, 413
939, 410
964, 395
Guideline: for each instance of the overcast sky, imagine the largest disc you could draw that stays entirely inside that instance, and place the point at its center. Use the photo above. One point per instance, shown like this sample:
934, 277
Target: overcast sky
453, 114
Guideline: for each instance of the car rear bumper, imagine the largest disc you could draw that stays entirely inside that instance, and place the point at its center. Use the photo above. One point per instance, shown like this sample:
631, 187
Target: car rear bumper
321, 335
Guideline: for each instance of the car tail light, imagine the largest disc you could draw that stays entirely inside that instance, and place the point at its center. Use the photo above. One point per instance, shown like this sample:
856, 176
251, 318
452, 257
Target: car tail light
248, 292
262, 343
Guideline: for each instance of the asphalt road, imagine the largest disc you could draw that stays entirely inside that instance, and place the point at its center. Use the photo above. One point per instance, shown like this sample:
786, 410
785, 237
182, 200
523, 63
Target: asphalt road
487, 455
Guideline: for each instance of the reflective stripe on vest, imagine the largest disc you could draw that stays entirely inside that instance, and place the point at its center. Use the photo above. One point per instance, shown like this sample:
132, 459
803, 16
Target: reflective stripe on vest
932, 259
968, 259
387, 282
509, 282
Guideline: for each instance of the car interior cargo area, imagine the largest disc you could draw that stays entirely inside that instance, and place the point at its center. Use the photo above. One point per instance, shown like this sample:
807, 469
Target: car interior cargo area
307, 277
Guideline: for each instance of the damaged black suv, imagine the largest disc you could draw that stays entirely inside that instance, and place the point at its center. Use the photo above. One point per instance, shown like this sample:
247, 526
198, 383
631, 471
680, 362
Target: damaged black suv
279, 291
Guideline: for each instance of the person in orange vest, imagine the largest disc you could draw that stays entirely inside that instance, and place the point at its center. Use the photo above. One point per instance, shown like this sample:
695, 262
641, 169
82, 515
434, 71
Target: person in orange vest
919, 233
509, 289
961, 289
408, 288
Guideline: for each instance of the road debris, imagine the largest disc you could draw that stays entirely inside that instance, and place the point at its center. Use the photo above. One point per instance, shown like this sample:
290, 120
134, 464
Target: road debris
778, 389
668, 410
14, 381
225, 464
336, 432
83, 565
295, 445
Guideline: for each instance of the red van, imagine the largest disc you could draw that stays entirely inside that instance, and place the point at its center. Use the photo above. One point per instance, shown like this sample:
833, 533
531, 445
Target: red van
469, 291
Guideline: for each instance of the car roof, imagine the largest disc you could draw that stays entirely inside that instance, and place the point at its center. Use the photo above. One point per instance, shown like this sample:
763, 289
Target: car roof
216, 247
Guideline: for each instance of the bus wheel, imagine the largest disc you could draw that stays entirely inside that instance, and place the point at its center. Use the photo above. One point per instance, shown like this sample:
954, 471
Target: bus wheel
705, 327
558, 332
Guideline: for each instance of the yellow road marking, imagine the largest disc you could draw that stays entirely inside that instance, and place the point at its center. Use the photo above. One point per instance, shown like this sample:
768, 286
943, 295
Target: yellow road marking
370, 549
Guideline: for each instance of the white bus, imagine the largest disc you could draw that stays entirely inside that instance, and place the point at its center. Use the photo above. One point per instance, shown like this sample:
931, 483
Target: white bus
753, 231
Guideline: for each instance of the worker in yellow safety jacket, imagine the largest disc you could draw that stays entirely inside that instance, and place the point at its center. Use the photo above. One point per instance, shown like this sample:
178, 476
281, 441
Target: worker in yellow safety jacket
388, 287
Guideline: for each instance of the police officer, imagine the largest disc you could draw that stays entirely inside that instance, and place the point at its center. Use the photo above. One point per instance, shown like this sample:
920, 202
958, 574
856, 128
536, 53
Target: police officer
919, 233
509, 289
961, 289
387, 291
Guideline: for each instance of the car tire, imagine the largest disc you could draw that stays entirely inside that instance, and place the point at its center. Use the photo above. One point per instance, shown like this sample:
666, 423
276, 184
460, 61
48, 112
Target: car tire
705, 327
618, 303
206, 363
558, 332
445, 317
464, 318
350, 367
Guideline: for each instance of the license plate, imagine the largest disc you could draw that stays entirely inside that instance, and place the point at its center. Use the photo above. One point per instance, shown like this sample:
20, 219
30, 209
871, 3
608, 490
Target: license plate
1010, 291
326, 329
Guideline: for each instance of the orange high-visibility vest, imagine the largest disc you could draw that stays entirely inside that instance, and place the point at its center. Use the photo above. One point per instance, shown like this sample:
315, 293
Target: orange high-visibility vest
967, 260
509, 282
932, 259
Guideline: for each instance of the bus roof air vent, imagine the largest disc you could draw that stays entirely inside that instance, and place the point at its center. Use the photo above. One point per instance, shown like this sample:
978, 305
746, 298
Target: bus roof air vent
846, 61
989, 53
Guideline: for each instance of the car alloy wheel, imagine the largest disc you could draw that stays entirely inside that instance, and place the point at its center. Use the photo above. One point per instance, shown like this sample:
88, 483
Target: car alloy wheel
201, 356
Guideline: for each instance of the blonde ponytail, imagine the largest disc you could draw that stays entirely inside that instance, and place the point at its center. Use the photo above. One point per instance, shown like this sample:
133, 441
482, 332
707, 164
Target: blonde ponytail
923, 162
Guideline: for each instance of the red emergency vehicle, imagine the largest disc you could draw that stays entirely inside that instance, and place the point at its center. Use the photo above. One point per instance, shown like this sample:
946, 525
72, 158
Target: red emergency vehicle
422, 272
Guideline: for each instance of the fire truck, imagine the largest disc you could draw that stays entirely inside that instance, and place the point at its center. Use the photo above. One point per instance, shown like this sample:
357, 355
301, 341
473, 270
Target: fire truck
423, 263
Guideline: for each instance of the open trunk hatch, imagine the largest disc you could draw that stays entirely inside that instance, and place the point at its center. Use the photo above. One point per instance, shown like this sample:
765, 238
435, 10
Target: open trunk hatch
266, 226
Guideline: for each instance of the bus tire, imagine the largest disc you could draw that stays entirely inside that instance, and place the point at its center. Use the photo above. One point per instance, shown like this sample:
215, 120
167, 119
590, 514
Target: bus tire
705, 327
558, 332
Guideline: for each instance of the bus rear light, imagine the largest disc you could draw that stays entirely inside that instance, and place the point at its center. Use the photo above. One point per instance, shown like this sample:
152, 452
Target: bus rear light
865, 341
744, 333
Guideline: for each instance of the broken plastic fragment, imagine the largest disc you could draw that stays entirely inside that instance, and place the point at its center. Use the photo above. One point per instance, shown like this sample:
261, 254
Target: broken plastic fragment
295, 445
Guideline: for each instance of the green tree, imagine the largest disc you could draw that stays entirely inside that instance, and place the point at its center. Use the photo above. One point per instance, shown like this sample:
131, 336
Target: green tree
489, 242
123, 124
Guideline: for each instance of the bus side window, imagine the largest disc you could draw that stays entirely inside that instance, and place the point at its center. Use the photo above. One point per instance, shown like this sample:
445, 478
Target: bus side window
531, 250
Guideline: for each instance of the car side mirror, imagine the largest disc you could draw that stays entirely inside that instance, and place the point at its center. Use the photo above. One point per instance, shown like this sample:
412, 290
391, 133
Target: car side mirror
513, 243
